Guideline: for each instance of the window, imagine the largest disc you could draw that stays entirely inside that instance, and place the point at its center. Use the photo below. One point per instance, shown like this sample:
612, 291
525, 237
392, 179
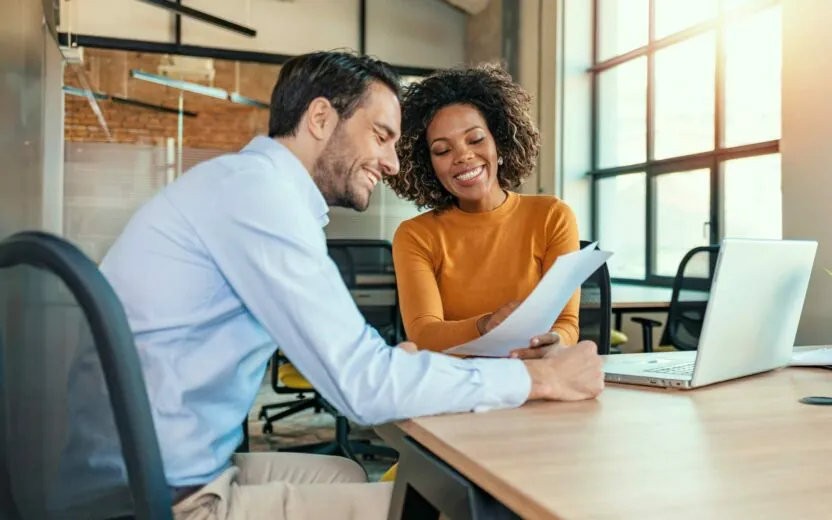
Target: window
686, 129
621, 226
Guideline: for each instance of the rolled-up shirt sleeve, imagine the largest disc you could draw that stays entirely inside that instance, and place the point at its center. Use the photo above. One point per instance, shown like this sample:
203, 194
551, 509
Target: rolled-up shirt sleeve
272, 250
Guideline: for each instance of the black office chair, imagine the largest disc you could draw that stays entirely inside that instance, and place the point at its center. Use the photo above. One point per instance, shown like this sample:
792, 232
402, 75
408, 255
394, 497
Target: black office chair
368, 272
688, 302
367, 269
68, 356
595, 315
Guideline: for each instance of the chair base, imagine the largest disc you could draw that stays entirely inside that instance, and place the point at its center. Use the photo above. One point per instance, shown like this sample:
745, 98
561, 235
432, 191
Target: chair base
341, 446
292, 408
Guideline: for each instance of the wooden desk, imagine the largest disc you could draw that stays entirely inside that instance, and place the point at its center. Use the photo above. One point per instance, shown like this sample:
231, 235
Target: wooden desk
632, 295
745, 449
633, 299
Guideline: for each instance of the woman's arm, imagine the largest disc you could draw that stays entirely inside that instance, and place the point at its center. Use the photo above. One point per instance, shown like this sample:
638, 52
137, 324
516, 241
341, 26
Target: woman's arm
563, 238
419, 298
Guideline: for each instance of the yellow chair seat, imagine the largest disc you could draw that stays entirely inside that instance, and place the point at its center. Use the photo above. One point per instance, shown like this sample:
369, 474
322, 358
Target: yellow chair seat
291, 378
390, 475
617, 338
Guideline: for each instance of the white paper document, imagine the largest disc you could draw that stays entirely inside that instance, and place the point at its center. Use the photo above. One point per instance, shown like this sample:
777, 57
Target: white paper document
539, 311
813, 356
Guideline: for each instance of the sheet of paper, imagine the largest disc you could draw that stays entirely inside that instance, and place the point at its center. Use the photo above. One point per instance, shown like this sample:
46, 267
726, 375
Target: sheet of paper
820, 356
539, 311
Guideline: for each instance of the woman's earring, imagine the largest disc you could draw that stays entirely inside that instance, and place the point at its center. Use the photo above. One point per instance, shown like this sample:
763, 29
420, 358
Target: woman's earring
500, 161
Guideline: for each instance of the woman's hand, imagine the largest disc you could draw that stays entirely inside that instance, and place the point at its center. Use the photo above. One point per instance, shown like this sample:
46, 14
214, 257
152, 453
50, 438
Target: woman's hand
489, 321
409, 347
539, 346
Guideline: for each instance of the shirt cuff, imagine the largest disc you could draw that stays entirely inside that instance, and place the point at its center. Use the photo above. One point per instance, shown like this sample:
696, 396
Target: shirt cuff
506, 383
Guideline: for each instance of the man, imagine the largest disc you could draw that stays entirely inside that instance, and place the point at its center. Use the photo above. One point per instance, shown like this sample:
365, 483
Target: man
230, 261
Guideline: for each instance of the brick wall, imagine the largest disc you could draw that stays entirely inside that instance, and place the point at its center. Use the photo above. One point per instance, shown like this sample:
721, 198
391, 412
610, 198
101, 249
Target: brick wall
219, 125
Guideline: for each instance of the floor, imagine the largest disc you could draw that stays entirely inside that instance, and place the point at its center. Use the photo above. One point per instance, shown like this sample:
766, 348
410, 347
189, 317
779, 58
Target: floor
305, 427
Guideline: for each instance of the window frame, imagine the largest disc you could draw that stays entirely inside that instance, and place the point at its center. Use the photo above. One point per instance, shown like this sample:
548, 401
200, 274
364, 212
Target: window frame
652, 168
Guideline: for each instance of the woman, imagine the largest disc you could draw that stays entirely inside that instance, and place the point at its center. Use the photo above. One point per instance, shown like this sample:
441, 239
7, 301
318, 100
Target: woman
467, 141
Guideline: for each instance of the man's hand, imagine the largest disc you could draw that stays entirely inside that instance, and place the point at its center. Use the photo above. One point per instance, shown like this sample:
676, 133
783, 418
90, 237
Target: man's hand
539, 346
567, 373
488, 322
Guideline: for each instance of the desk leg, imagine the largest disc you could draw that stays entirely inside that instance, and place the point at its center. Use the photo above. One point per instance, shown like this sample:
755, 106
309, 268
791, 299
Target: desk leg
425, 487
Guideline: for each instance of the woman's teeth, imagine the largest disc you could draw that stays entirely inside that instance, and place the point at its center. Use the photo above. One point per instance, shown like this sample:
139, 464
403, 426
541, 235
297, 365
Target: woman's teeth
470, 174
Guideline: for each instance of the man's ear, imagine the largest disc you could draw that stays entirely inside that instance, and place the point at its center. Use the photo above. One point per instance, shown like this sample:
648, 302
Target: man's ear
320, 118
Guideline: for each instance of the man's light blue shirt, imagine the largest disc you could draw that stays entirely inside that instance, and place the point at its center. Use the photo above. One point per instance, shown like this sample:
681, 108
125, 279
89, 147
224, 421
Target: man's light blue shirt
228, 263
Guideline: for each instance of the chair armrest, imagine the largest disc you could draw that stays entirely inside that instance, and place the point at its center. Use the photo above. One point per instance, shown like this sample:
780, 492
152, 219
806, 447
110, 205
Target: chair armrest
647, 326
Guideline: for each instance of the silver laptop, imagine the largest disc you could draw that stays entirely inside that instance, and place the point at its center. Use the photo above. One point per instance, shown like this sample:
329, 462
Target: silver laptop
750, 322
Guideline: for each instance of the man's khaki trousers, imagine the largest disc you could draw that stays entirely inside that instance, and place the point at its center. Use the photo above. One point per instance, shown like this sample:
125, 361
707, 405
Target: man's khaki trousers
288, 486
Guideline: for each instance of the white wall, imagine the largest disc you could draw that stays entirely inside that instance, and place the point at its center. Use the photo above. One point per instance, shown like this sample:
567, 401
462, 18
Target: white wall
127, 19
282, 27
423, 33
53, 136
806, 151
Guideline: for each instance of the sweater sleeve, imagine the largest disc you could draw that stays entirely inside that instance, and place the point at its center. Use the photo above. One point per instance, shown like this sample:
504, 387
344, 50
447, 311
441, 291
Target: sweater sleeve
563, 238
419, 297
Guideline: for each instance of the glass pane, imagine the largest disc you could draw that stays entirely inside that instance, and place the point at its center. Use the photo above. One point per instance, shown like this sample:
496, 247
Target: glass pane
673, 16
753, 203
621, 223
753, 65
622, 26
729, 5
685, 97
683, 209
622, 114
685, 94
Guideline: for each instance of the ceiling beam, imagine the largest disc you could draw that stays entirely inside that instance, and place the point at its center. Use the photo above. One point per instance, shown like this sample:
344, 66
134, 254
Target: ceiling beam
202, 16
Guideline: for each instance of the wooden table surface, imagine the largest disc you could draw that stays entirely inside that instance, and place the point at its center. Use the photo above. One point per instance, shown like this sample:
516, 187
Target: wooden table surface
641, 297
740, 449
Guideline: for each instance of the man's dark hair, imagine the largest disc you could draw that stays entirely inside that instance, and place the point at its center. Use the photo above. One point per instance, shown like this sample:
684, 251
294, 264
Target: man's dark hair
341, 77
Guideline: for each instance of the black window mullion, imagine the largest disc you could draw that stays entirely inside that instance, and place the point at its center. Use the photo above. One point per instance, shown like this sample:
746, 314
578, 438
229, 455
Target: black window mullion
594, 124
716, 201
717, 204
596, 215
650, 225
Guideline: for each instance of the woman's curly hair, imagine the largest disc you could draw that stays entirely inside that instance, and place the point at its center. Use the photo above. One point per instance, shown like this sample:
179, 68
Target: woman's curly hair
503, 104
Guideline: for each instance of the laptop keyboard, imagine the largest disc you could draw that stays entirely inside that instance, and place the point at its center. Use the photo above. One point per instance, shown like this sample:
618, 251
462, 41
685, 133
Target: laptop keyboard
682, 369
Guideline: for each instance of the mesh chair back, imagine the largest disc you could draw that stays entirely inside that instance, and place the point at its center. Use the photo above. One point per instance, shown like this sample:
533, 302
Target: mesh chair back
367, 269
595, 315
691, 289
77, 434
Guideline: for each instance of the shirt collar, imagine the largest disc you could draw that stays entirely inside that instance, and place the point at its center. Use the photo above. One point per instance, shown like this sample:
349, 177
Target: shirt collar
285, 161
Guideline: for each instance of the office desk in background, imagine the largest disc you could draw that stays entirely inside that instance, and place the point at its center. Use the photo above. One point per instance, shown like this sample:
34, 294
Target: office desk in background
741, 449
634, 299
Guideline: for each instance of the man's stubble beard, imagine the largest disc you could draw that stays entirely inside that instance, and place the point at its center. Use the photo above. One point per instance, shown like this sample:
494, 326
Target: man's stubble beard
333, 173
